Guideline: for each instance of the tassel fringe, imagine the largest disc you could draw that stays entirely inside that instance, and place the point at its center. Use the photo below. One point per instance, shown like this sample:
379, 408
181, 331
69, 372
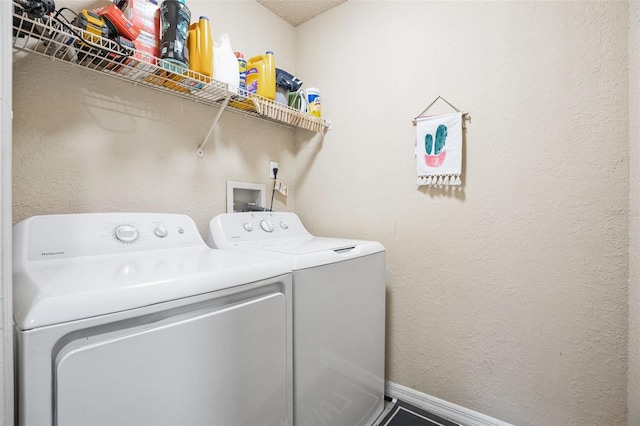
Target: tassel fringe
441, 180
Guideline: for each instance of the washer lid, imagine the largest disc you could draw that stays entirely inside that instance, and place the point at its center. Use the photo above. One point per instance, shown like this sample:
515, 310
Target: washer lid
308, 252
283, 236
303, 245
48, 292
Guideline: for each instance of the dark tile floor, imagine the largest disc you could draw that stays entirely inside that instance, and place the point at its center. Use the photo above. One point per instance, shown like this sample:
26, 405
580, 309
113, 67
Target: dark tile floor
404, 414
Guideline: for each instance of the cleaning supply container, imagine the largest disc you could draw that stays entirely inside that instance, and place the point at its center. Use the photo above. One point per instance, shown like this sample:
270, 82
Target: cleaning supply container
201, 47
313, 101
225, 63
174, 24
242, 69
261, 75
298, 100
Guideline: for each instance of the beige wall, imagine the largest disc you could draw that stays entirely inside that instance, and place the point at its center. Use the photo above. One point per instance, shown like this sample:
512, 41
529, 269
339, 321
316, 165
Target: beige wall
508, 297
633, 400
86, 143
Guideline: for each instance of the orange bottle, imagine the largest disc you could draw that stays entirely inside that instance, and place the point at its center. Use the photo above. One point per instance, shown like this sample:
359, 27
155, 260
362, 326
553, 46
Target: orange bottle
200, 43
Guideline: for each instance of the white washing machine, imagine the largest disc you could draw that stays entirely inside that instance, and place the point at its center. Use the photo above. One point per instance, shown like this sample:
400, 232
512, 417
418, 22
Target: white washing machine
131, 319
338, 313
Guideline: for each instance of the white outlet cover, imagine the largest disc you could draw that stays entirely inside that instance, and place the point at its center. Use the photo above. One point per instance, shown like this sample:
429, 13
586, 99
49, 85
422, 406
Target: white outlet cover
272, 165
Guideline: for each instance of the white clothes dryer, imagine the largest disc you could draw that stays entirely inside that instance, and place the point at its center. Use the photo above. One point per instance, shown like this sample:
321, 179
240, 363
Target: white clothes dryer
338, 313
131, 319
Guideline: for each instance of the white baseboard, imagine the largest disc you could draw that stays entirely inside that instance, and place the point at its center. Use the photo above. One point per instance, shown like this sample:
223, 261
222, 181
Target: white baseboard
440, 407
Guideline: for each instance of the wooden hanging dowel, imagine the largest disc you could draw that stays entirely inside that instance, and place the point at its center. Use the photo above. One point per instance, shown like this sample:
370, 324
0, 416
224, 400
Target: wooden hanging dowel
465, 115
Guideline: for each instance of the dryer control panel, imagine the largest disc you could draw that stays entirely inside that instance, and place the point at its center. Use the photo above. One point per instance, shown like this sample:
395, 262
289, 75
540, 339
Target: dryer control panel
74, 235
256, 226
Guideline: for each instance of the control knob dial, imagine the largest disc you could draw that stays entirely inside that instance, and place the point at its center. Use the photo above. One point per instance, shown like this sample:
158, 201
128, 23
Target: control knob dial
160, 231
266, 225
126, 233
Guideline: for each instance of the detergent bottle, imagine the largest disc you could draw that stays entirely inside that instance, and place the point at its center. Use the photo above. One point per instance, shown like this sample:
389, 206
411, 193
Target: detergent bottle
201, 47
261, 75
242, 69
225, 63
174, 24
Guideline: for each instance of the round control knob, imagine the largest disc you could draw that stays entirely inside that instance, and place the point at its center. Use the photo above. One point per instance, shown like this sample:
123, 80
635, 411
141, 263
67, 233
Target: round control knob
247, 226
126, 233
160, 231
284, 225
266, 225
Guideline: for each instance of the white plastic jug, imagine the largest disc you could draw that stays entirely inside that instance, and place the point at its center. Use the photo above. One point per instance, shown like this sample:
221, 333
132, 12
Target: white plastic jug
225, 63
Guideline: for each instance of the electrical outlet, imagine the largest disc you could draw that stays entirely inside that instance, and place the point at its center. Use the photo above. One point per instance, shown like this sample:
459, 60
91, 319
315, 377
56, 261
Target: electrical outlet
272, 165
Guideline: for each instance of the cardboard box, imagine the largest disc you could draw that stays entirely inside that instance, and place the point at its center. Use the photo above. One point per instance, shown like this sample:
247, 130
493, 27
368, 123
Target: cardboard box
145, 14
147, 45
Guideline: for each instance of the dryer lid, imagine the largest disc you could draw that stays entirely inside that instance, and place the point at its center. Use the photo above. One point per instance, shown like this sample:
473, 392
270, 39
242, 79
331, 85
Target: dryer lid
70, 267
57, 291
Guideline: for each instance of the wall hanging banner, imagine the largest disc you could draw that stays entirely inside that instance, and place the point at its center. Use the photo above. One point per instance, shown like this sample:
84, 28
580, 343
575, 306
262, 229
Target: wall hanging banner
439, 149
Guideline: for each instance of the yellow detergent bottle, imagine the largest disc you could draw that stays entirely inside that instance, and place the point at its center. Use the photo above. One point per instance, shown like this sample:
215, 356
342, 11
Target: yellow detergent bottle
200, 43
261, 75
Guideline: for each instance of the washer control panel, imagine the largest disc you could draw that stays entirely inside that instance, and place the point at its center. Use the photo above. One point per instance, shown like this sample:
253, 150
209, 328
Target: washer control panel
71, 235
257, 226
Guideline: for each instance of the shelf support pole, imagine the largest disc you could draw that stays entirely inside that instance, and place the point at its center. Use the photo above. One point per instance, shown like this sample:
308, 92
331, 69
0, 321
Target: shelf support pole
213, 125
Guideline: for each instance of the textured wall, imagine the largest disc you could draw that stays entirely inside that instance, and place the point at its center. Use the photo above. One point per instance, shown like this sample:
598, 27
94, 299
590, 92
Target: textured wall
633, 399
85, 143
508, 297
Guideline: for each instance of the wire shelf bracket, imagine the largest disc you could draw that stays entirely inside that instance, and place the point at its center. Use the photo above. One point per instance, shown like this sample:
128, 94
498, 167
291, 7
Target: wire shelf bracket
213, 125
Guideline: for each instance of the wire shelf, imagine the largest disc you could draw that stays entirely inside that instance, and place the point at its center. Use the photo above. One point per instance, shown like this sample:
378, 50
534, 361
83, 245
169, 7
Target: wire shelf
67, 43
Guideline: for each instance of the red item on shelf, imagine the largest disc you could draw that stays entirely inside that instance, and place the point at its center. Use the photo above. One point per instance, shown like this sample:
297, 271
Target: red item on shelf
143, 13
116, 17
